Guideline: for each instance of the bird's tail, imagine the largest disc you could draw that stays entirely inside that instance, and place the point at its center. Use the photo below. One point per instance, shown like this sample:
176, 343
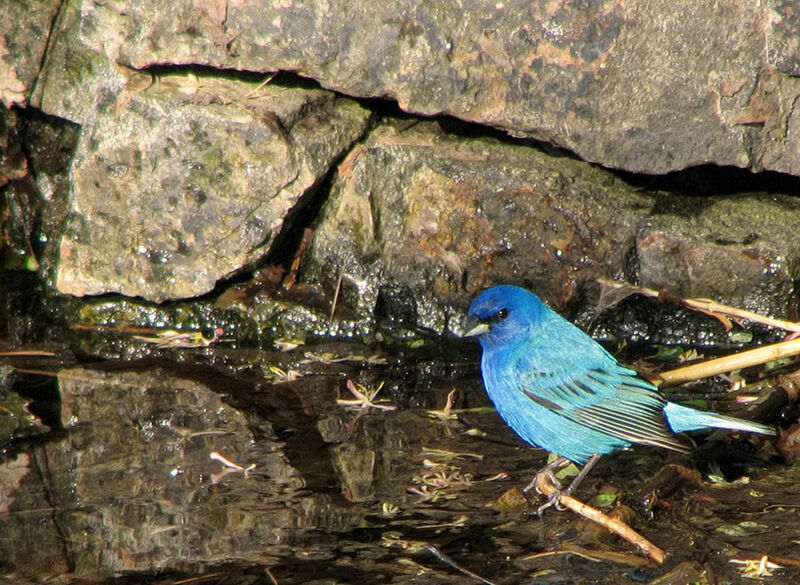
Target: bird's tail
683, 418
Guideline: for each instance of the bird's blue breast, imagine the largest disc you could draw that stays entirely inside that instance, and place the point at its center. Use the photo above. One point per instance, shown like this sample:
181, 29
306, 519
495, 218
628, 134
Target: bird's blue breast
505, 371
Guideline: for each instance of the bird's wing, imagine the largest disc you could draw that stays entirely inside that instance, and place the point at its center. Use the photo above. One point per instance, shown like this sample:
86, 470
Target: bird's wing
605, 397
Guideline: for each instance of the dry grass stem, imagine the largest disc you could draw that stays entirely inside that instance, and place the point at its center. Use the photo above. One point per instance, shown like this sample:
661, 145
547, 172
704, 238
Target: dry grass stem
705, 305
736, 361
613, 525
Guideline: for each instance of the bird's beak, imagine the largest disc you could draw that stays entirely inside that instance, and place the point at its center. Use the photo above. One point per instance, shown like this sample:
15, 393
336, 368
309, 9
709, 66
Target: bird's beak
474, 327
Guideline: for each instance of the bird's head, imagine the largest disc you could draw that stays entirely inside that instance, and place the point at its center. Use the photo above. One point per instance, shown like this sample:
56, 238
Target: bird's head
502, 314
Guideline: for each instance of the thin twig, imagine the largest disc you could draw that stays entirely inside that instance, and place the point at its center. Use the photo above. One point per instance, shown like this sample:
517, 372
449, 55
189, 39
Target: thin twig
447, 560
271, 576
335, 297
196, 579
614, 525
596, 556
706, 306
737, 361
230, 464
260, 85
305, 243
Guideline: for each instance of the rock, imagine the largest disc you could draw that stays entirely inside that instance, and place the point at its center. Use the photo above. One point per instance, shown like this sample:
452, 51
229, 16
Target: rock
743, 251
78, 76
355, 468
634, 85
49, 144
181, 181
17, 197
24, 32
35, 151
13, 164
432, 219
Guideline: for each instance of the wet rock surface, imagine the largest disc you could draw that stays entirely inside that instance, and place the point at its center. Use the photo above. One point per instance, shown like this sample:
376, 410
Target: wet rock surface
417, 219
420, 217
417, 213
742, 250
187, 170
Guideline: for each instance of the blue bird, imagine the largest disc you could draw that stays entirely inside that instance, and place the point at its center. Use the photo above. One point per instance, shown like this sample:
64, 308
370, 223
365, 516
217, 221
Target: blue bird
559, 389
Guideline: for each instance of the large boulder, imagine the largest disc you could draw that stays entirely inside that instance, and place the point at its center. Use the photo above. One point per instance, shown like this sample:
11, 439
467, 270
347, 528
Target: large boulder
183, 182
427, 219
637, 85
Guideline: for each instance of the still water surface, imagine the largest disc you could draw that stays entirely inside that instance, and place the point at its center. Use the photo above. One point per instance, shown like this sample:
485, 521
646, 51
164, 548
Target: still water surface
216, 468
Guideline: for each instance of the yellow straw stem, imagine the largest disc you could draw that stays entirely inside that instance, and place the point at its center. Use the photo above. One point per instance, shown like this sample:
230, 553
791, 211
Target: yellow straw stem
705, 305
737, 361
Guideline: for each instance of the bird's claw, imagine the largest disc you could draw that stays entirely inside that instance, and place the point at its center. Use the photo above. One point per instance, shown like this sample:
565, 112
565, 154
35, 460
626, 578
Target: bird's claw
553, 501
548, 476
546, 483
545, 475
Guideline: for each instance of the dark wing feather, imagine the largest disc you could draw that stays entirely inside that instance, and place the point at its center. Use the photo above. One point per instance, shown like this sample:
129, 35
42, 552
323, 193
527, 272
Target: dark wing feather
611, 400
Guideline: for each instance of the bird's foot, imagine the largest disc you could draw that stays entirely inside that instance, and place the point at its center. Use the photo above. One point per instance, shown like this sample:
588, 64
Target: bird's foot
546, 483
548, 473
553, 501
547, 476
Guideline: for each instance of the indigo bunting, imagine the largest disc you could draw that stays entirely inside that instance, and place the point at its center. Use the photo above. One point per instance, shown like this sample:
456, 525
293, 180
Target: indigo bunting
559, 389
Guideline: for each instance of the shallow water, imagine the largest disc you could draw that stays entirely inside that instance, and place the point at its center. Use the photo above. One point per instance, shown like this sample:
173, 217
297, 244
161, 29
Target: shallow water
120, 478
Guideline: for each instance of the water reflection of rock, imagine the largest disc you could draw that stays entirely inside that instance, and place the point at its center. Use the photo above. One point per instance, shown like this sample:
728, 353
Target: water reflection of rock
130, 485
376, 459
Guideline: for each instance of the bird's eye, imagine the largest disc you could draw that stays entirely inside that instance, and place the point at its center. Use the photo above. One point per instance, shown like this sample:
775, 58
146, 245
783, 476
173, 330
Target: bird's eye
499, 315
